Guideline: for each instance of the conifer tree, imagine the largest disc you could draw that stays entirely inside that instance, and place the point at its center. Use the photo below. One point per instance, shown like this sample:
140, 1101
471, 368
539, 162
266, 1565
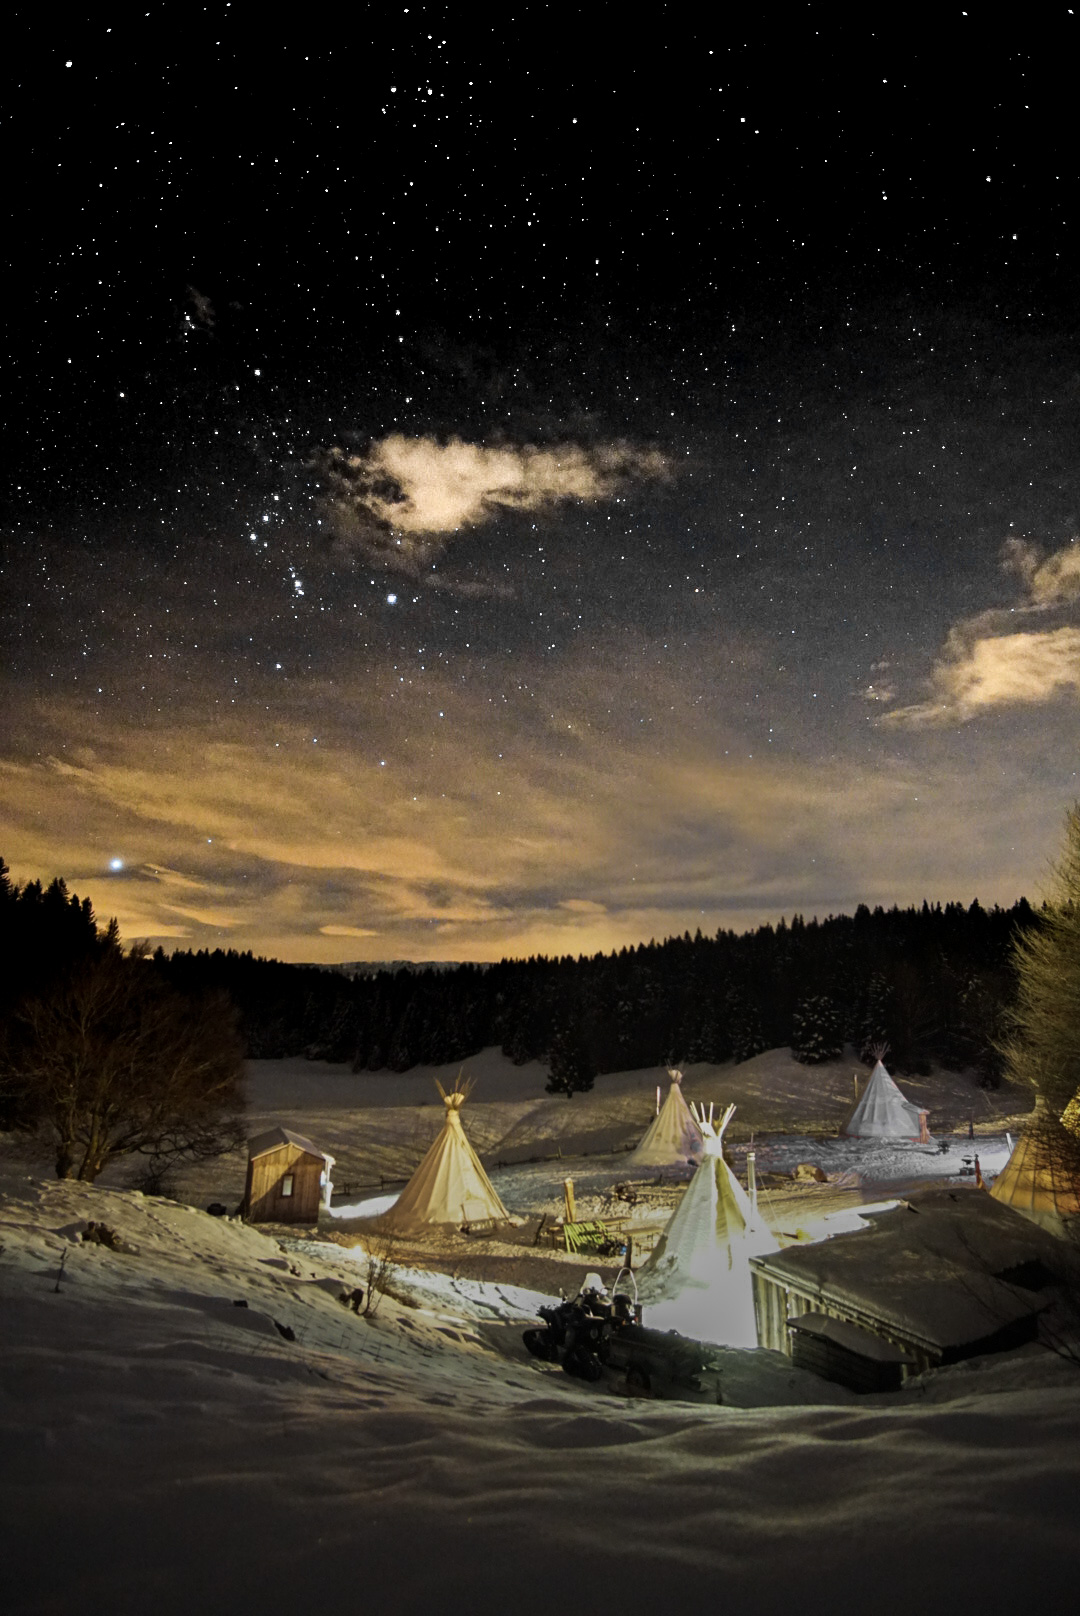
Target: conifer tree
818, 1033
1043, 1048
570, 1068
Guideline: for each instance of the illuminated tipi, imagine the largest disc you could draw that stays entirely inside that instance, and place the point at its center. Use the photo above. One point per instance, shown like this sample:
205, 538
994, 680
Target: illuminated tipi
697, 1280
449, 1186
1041, 1179
673, 1136
881, 1111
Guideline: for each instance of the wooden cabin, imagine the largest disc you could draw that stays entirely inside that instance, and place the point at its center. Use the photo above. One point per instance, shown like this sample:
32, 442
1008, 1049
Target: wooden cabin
946, 1275
288, 1178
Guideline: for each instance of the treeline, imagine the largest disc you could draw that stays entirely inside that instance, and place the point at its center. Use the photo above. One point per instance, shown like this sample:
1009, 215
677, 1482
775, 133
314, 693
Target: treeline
932, 983
44, 932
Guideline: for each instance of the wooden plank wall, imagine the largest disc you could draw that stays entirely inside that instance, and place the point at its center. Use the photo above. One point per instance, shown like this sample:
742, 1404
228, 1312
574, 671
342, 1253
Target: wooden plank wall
265, 1202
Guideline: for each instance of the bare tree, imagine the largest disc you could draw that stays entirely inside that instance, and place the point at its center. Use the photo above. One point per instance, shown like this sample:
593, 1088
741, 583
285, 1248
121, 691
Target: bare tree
381, 1251
112, 1061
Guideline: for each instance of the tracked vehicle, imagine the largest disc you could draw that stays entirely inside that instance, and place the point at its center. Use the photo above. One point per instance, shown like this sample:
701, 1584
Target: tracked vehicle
598, 1336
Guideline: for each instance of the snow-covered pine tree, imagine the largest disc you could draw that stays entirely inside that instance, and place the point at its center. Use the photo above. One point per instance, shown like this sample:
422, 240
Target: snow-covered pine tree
818, 1033
874, 1024
570, 1068
744, 1026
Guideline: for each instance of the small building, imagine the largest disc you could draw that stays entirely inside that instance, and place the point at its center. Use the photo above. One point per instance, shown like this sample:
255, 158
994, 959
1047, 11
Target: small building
948, 1274
288, 1178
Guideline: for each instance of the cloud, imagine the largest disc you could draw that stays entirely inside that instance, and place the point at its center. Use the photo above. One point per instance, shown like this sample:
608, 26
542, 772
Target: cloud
214, 919
1053, 581
404, 496
1006, 670
585, 837
992, 660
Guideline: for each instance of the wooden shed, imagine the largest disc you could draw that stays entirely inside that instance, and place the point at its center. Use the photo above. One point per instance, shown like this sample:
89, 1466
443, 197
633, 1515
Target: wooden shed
288, 1178
946, 1275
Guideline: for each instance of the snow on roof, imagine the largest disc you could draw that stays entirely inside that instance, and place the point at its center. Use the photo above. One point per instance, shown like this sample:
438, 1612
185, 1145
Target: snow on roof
851, 1336
274, 1138
935, 1269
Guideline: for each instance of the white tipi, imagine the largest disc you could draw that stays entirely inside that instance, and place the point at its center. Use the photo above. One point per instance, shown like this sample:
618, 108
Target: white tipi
449, 1186
1041, 1179
881, 1112
673, 1135
697, 1280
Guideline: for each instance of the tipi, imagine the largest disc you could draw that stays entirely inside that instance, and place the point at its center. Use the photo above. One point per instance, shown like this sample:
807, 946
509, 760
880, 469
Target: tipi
697, 1280
673, 1135
449, 1186
1041, 1179
881, 1112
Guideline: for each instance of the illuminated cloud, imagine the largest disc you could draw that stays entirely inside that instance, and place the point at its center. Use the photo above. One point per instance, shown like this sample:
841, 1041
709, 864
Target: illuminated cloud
1053, 581
405, 496
1006, 670
587, 838
992, 660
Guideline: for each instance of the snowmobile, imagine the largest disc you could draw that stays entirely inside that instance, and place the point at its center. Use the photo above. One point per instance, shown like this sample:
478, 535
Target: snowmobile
598, 1335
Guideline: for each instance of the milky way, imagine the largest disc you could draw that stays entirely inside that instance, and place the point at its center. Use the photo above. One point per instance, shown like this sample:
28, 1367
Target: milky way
483, 495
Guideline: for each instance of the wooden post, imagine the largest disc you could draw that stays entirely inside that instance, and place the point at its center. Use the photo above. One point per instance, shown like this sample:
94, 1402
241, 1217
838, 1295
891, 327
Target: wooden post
569, 1209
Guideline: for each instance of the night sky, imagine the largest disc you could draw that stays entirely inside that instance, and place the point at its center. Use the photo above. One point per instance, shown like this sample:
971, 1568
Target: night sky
537, 482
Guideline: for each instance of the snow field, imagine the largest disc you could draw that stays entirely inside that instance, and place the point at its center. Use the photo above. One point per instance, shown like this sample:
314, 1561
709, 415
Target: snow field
167, 1450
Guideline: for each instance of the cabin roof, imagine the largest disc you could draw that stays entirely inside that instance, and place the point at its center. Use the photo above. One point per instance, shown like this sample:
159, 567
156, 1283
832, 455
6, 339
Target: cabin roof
939, 1270
852, 1336
274, 1138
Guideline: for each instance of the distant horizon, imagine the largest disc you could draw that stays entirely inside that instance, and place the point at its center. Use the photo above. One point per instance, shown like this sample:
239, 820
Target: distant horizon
376, 964
739, 926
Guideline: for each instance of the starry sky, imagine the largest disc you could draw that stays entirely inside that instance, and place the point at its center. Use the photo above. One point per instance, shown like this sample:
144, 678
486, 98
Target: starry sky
478, 486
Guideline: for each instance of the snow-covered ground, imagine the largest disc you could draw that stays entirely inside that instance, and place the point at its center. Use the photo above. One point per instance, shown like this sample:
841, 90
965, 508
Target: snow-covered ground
169, 1449
378, 1124
196, 1421
856, 1164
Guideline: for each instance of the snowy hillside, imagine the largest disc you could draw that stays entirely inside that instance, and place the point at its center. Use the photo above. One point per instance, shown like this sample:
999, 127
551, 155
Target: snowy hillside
194, 1421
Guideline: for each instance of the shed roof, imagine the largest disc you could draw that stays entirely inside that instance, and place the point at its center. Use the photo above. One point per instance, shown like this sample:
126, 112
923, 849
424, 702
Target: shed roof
274, 1138
938, 1270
